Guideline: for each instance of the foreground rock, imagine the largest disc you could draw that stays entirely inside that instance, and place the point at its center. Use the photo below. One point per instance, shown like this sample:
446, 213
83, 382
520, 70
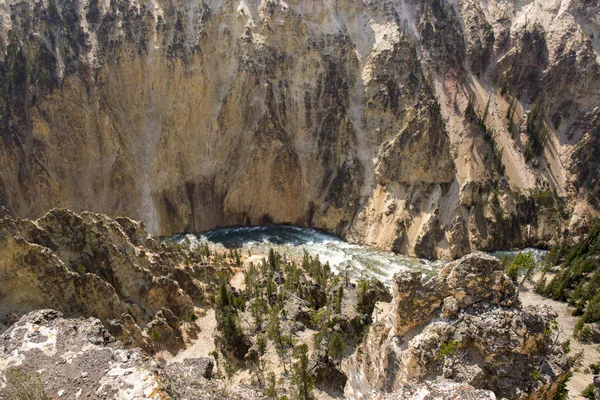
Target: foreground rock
442, 389
78, 358
93, 266
461, 325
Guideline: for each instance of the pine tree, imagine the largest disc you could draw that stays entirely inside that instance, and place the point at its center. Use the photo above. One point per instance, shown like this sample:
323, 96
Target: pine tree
338, 300
276, 335
337, 346
271, 389
301, 377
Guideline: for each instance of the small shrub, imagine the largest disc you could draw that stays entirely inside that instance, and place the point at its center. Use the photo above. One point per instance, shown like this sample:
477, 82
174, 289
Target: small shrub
154, 335
576, 359
566, 346
588, 392
448, 349
562, 393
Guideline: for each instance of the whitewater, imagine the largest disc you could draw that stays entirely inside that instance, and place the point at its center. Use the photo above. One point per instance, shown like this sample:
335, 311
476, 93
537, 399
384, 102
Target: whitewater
358, 261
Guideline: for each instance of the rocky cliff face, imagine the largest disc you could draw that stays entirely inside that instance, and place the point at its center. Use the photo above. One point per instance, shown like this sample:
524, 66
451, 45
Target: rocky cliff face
428, 127
462, 325
91, 265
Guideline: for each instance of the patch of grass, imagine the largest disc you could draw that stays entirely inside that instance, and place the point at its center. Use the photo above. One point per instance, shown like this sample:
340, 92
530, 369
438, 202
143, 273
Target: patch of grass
23, 385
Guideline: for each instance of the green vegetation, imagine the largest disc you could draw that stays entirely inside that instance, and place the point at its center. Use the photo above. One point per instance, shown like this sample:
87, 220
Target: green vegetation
22, 385
302, 380
577, 280
524, 265
337, 346
236, 257
537, 134
317, 271
535, 374
155, 335
585, 165
271, 388
588, 392
448, 349
227, 305
337, 307
551, 204
562, 393
257, 316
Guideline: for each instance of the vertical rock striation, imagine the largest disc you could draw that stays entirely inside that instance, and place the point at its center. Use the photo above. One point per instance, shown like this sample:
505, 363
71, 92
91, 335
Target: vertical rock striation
427, 127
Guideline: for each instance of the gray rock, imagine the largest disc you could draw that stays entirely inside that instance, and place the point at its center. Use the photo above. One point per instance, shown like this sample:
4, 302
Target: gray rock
439, 390
80, 359
459, 325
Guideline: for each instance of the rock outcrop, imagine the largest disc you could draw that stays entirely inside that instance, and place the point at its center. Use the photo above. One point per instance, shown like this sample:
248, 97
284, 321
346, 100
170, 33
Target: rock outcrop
428, 127
462, 325
442, 389
78, 358
93, 266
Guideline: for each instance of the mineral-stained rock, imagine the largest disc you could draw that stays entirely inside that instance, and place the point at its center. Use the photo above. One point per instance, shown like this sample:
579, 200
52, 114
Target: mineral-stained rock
192, 369
372, 119
461, 325
164, 331
78, 358
472, 279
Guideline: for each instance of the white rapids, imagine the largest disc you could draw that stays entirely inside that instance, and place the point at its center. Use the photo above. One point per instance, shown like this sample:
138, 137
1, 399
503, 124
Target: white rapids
358, 260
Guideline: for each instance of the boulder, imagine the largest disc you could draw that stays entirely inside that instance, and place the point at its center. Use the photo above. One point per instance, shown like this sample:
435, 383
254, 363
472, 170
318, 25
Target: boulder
79, 358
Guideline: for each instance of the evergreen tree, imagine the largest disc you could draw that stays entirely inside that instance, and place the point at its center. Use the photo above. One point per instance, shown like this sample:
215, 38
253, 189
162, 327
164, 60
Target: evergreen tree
337, 346
302, 380
338, 300
275, 333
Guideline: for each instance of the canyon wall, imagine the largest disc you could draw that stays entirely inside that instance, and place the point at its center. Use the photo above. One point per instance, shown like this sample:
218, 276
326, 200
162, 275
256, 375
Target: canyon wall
429, 127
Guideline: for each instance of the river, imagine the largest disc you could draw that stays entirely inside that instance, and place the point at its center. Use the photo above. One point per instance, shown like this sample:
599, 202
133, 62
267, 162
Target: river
358, 260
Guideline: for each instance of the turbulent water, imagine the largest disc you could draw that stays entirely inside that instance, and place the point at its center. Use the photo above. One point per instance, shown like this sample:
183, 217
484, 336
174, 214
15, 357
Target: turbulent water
292, 240
342, 256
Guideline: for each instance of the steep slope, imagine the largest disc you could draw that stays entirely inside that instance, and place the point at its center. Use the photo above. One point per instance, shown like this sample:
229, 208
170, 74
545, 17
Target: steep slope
428, 127
463, 325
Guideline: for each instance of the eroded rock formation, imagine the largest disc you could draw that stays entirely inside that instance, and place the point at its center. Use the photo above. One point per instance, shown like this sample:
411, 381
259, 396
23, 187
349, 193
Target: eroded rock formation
428, 127
90, 265
462, 325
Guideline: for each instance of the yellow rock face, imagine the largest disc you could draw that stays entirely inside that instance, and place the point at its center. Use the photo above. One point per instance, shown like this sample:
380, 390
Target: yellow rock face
347, 116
